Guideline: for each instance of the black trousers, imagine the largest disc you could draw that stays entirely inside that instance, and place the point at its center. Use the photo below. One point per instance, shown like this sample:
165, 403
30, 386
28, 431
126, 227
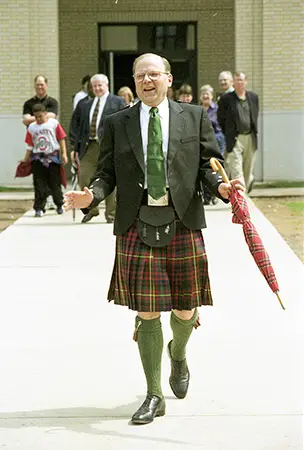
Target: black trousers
46, 179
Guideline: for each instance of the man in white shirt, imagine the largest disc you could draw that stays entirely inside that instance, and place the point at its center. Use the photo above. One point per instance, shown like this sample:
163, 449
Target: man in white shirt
84, 91
226, 82
160, 150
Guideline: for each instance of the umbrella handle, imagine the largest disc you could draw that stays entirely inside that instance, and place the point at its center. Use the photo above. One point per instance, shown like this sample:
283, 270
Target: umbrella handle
216, 165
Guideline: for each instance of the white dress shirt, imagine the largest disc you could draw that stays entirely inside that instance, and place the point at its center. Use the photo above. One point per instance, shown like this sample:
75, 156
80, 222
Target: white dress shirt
79, 96
163, 111
102, 103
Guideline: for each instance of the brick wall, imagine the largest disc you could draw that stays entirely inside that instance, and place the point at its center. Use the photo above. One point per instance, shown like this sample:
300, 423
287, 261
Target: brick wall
29, 45
78, 31
269, 48
283, 54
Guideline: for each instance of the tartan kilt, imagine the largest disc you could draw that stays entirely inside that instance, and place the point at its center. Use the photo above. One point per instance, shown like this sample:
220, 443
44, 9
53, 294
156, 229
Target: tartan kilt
147, 279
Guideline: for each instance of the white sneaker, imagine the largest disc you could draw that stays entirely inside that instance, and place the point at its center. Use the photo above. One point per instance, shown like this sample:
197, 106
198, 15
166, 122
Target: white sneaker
39, 213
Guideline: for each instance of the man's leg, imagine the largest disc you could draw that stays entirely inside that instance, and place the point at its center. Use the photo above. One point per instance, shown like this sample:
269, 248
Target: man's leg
234, 161
110, 207
88, 165
248, 161
40, 186
54, 183
149, 336
182, 324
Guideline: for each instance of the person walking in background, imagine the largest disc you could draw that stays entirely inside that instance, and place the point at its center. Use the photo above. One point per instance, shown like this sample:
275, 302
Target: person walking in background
226, 82
185, 93
85, 133
238, 117
171, 93
206, 100
126, 93
83, 93
51, 106
157, 153
46, 150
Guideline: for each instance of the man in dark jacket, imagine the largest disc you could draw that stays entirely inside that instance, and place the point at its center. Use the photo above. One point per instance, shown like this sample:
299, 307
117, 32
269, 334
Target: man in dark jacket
238, 117
86, 131
157, 153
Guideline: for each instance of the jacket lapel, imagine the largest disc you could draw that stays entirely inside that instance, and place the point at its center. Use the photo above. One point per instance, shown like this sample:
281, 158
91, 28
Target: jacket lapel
252, 108
132, 122
176, 128
107, 106
88, 106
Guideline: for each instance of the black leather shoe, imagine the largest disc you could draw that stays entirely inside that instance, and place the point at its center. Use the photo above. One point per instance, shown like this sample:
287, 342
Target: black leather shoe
90, 216
110, 219
179, 377
250, 186
153, 406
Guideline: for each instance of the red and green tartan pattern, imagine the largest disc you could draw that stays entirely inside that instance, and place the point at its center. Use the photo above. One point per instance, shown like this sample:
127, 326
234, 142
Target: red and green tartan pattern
149, 279
241, 215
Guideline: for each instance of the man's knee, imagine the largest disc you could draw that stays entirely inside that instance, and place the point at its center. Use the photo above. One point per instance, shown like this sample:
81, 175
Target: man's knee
148, 315
184, 314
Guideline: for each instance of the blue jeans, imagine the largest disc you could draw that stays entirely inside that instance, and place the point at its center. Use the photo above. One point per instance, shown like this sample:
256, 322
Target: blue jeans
220, 138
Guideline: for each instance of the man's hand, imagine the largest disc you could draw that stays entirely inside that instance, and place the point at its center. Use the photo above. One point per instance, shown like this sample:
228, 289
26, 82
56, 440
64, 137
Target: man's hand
225, 189
73, 156
64, 158
77, 199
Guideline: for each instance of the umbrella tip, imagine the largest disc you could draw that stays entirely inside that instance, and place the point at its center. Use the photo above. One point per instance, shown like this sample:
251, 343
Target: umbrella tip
279, 298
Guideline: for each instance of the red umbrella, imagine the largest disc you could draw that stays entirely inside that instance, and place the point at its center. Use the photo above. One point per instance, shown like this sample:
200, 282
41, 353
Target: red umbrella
241, 215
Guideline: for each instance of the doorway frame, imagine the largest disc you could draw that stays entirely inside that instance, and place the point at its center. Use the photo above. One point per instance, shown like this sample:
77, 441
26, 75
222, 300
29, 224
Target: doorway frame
103, 55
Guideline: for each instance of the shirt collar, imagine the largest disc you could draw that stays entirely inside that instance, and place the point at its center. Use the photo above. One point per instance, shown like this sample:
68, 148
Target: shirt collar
103, 98
162, 107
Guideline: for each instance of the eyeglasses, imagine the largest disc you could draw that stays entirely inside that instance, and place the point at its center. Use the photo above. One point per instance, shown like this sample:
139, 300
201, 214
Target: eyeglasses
151, 74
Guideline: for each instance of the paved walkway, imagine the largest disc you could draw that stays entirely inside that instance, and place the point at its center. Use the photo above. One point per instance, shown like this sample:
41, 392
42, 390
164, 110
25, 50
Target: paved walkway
70, 372
265, 192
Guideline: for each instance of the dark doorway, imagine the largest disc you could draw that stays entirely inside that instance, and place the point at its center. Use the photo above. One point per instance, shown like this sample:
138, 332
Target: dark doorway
123, 75
120, 44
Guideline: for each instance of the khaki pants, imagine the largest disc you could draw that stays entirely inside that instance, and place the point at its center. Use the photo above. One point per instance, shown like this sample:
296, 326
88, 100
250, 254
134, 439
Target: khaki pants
239, 162
88, 166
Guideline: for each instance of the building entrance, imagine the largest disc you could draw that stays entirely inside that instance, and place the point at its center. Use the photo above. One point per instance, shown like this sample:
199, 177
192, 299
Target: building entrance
119, 45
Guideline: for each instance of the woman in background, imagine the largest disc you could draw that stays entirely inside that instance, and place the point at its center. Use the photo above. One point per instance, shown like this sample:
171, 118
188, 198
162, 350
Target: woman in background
206, 98
126, 93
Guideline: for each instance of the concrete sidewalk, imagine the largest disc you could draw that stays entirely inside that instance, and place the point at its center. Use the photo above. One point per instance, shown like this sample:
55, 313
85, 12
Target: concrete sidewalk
256, 192
71, 375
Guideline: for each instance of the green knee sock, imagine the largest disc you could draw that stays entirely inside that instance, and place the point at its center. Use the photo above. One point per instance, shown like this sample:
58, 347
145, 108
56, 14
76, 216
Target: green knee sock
150, 343
182, 330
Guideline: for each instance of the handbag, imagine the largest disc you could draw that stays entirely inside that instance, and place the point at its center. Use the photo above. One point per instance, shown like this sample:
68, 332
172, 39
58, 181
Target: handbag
156, 225
23, 169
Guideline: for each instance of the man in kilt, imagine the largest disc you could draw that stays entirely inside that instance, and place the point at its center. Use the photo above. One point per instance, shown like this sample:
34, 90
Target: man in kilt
157, 154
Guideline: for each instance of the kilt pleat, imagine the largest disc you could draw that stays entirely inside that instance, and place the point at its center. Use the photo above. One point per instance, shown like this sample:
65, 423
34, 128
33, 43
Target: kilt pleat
161, 279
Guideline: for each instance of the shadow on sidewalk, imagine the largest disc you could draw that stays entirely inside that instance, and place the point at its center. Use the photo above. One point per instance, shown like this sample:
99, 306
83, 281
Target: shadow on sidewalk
81, 420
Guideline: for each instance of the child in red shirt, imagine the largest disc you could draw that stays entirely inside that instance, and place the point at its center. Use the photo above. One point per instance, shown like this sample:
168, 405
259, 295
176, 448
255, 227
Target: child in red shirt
47, 150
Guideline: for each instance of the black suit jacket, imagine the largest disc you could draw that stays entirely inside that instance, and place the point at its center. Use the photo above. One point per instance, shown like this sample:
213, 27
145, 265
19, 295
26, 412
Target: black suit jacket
227, 115
79, 131
121, 163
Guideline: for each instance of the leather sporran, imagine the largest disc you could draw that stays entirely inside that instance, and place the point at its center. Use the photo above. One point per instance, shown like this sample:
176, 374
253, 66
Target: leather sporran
156, 225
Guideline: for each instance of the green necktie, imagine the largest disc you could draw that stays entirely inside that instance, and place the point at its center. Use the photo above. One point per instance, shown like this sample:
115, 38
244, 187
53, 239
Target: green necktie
156, 178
